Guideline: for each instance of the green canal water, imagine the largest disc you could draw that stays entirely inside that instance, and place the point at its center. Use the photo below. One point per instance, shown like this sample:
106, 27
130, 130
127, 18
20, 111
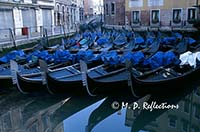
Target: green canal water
63, 113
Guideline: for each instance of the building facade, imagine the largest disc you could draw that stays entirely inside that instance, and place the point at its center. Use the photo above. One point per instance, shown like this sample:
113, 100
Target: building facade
27, 18
161, 12
88, 8
114, 12
152, 12
18, 15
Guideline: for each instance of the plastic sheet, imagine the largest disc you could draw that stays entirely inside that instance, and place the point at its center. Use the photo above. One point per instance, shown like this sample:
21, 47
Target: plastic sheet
134, 57
110, 57
161, 59
189, 58
12, 56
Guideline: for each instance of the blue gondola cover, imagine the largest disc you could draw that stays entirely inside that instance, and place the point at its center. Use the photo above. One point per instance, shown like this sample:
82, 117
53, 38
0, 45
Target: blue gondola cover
12, 55
134, 57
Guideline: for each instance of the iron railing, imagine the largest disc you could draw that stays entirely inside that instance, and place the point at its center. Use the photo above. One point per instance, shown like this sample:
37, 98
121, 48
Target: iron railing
11, 35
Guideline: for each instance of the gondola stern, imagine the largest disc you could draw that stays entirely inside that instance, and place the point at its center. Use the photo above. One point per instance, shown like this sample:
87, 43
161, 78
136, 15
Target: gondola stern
45, 76
48, 87
131, 78
15, 74
85, 77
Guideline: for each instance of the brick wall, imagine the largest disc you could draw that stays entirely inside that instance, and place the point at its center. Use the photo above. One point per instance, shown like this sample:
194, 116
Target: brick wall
165, 17
119, 17
145, 18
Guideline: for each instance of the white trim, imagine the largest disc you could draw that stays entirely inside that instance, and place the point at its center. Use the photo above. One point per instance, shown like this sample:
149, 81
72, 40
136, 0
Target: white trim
63, 6
151, 17
57, 7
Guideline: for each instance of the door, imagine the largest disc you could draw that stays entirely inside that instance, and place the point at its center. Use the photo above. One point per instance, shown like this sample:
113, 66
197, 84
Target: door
6, 22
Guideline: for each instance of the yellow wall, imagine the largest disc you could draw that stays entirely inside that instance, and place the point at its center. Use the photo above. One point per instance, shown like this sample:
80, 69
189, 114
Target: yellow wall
168, 4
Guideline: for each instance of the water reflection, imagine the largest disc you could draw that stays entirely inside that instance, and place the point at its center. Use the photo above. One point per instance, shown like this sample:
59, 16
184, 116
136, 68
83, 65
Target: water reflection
186, 118
46, 113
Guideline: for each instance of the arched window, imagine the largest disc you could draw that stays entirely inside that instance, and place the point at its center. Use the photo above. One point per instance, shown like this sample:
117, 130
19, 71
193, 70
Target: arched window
63, 14
58, 15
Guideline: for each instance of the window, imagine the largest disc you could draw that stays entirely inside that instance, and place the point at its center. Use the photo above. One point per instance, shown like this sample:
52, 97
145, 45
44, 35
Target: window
155, 3
172, 122
106, 9
112, 8
197, 111
135, 17
67, 15
186, 106
197, 91
155, 14
185, 126
194, 129
63, 14
58, 15
177, 15
191, 15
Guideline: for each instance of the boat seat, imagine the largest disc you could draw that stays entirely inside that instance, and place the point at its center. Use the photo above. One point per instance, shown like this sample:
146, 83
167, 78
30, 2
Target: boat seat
169, 72
100, 71
72, 69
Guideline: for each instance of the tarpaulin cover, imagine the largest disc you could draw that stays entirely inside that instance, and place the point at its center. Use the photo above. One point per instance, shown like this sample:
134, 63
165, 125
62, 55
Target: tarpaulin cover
87, 56
86, 34
99, 34
161, 59
102, 40
169, 40
190, 40
149, 40
110, 57
120, 40
72, 41
178, 35
83, 41
134, 57
139, 40
62, 56
44, 55
129, 34
12, 56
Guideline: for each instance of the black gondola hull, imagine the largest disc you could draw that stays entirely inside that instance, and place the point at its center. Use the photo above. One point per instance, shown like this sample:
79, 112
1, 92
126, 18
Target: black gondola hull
113, 84
69, 87
6, 82
165, 86
29, 86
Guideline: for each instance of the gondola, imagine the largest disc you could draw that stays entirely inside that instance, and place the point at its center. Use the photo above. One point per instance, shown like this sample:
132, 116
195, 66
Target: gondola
73, 83
30, 67
117, 81
163, 80
68, 78
6, 74
36, 81
57, 81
